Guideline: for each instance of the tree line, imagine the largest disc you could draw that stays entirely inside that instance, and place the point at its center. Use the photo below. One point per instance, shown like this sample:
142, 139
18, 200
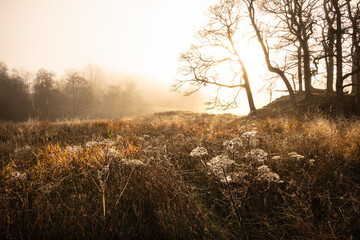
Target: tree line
77, 94
301, 41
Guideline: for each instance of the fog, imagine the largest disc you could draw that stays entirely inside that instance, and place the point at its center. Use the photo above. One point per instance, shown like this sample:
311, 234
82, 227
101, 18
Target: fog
87, 93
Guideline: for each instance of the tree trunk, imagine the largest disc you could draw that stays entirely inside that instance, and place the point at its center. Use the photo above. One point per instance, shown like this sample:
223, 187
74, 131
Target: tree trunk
300, 69
339, 63
330, 66
270, 67
307, 69
248, 89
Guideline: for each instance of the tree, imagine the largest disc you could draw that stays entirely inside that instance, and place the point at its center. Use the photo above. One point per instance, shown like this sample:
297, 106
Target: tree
297, 22
76, 87
15, 103
43, 93
216, 60
266, 51
328, 44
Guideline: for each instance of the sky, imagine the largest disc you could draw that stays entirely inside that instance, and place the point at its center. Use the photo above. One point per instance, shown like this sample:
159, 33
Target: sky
139, 37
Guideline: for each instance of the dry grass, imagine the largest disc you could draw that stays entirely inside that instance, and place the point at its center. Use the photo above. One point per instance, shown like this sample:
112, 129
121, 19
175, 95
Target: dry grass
135, 179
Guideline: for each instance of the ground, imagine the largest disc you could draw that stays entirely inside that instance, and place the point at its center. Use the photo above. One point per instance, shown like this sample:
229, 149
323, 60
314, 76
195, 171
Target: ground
181, 175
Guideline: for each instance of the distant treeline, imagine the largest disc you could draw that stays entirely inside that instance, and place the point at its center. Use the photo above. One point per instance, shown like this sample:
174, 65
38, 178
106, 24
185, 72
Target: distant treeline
76, 94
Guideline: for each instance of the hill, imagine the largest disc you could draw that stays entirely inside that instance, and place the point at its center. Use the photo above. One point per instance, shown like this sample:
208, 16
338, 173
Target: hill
320, 102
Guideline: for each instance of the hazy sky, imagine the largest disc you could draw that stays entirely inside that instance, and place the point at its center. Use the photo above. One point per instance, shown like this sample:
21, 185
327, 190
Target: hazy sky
142, 36
129, 36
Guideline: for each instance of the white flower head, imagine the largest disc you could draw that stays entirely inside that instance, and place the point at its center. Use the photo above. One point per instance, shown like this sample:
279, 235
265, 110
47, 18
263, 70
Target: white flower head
18, 175
229, 144
265, 174
91, 144
258, 154
296, 156
198, 152
107, 142
133, 162
74, 149
250, 138
220, 163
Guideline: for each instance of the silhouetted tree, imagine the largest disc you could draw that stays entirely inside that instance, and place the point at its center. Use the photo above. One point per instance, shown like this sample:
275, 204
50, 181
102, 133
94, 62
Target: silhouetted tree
43, 94
298, 20
265, 48
77, 88
217, 49
15, 102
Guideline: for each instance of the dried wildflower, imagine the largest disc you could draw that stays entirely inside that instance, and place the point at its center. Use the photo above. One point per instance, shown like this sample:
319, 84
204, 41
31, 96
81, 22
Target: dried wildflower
133, 162
265, 174
198, 152
74, 149
92, 144
18, 175
220, 163
311, 162
107, 142
250, 138
296, 155
110, 152
103, 175
258, 154
229, 144
249, 134
275, 158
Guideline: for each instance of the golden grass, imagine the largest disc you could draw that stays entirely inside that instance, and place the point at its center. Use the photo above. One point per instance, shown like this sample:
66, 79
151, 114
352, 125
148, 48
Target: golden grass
137, 180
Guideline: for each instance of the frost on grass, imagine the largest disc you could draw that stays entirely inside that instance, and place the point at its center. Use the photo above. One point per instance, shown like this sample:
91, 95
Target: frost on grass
257, 154
92, 144
250, 134
110, 153
229, 144
250, 139
18, 175
105, 142
265, 174
311, 162
74, 149
219, 164
133, 162
295, 155
198, 152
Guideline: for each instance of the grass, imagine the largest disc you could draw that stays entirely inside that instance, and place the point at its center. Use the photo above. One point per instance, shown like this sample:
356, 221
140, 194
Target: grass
135, 179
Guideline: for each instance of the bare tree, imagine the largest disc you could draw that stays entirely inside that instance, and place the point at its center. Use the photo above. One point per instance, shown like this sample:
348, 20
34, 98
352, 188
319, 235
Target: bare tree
271, 67
75, 86
204, 64
43, 92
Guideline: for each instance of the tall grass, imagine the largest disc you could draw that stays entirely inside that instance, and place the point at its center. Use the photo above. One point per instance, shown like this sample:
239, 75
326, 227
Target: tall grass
135, 179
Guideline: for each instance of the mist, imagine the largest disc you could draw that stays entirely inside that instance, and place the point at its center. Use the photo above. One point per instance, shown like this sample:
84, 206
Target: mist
87, 93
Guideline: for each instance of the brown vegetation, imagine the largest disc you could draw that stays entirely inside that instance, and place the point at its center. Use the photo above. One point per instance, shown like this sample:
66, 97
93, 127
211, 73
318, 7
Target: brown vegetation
135, 179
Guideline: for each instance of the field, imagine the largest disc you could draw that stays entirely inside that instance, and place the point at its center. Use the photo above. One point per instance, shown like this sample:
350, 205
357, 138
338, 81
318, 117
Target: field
181, 175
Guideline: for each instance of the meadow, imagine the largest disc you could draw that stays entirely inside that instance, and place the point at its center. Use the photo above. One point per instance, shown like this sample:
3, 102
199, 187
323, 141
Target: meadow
181, 175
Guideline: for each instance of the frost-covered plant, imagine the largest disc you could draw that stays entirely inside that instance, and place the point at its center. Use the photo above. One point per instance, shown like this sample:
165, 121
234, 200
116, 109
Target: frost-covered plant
18, 175
74, 149
296, 156
229, 144
219, 164
198, 152
132, 162
265, 174
250, 139
257, 154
